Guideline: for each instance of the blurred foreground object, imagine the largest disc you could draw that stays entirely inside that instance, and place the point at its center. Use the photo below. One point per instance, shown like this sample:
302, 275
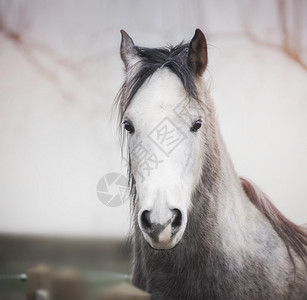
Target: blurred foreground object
123, 291
38, 279
44, 284
65, 284
26, 271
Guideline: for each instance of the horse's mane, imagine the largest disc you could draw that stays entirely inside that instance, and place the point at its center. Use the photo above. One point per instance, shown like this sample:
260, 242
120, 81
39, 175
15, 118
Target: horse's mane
294, 236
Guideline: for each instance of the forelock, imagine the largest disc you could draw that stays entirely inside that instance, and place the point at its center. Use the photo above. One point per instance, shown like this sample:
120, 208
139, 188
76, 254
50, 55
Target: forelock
152, 59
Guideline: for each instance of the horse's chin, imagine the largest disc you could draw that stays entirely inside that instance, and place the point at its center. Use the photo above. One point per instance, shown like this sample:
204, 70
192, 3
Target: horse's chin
162, 246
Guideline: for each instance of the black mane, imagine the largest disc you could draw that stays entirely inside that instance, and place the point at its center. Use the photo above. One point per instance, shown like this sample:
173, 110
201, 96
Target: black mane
173, 58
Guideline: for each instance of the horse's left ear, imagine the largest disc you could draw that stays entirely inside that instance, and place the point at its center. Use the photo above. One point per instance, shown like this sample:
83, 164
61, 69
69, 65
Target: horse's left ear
198, 56
128, 52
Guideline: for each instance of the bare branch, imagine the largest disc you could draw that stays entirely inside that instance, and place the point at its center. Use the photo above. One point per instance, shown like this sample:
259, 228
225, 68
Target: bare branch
292, 51
14, 32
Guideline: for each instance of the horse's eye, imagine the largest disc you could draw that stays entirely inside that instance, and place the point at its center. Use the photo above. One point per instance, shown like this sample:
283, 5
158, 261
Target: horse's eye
197, 124
128, 126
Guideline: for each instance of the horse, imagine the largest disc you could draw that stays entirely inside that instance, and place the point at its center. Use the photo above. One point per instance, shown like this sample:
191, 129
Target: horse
199, 231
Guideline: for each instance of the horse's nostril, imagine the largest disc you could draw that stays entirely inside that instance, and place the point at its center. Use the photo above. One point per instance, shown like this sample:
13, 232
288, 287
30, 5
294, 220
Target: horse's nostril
177, 219
145, 220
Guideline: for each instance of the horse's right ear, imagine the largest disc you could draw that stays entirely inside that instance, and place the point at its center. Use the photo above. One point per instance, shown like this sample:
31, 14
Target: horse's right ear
198, 56
128, 52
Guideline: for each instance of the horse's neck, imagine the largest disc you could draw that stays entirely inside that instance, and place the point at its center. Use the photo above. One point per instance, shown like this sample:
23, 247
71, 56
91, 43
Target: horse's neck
222, 205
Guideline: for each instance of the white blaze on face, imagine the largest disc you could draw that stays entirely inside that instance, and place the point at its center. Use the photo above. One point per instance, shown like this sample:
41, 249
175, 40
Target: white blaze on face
165, 155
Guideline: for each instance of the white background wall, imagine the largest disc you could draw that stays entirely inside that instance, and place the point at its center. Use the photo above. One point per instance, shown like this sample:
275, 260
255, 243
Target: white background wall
57, 87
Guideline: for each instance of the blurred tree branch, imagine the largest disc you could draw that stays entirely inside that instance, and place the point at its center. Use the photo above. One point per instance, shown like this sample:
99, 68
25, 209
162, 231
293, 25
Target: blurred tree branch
291, 39
13, 25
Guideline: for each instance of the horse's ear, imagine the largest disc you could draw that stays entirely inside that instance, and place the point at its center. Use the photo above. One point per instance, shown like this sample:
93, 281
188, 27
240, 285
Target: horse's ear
128, 52
198, 56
